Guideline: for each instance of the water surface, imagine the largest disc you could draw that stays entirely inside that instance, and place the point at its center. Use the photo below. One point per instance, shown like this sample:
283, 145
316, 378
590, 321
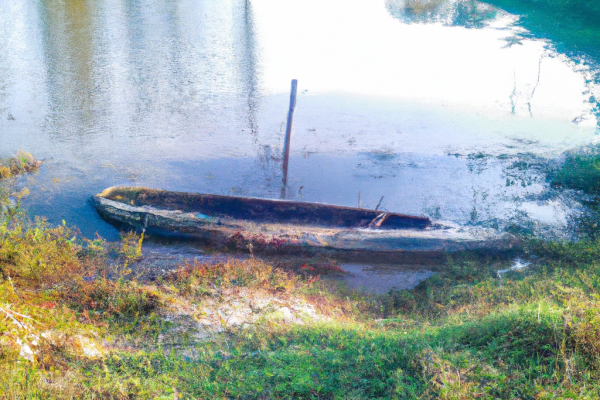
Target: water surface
447, 108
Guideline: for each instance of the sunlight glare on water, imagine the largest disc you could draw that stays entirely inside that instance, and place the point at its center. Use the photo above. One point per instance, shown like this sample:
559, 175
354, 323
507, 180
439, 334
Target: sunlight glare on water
354, 46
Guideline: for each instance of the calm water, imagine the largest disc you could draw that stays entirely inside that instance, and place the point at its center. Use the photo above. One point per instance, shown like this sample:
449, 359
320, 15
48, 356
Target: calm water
446, 108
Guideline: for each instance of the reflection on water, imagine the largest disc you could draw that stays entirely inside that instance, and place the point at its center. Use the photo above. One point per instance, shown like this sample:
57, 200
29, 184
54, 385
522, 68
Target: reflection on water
68, 46
573, 27
467, 13
439, 118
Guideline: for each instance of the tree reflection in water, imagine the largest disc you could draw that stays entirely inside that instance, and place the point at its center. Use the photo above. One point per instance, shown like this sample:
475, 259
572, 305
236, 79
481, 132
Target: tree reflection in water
466, 13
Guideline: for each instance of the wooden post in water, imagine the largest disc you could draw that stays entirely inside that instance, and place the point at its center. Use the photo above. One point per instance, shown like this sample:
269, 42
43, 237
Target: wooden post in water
378, 204
288, 136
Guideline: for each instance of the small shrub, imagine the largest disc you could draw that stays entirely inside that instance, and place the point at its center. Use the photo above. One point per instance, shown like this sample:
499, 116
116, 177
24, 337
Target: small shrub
21, 163
580, 171
131, 249
36, 252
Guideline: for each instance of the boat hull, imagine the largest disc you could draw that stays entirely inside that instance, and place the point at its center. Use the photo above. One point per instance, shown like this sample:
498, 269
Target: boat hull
176, 214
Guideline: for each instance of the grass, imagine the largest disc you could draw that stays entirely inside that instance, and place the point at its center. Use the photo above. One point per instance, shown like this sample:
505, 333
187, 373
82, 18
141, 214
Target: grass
463, 334
21, 163
580, 171
76, 323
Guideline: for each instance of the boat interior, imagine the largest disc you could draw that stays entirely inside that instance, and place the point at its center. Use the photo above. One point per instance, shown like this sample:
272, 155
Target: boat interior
265, 210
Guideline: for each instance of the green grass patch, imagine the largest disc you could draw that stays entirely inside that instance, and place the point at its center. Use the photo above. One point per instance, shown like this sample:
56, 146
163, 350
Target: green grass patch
580, 171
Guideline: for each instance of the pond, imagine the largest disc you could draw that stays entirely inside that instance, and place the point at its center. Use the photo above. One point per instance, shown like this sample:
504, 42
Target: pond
448, 108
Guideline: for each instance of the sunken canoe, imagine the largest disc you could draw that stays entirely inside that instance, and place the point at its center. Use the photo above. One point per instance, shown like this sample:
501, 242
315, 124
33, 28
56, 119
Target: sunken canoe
282, 225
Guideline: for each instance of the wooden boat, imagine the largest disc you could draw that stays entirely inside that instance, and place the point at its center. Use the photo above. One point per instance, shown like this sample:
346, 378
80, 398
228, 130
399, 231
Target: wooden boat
281, 225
